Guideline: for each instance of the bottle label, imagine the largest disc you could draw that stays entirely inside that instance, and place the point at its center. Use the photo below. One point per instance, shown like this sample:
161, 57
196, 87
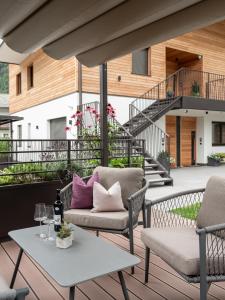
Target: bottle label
57, 219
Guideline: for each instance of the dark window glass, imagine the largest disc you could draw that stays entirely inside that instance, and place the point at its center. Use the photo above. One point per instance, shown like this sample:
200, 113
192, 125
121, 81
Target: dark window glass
140, 62
18, 84
30, 76
218, 133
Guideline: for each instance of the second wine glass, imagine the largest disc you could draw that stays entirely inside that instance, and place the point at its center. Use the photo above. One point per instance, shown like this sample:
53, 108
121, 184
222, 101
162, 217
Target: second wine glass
40, 216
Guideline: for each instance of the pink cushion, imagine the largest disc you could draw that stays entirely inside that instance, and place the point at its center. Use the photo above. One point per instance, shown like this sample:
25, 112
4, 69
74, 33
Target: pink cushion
82, 193
110, 200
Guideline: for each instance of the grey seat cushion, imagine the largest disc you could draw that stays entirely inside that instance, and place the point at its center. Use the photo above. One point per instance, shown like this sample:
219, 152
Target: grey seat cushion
5, 292
212, 211
130, 180
179, 247
176, 246
105, 220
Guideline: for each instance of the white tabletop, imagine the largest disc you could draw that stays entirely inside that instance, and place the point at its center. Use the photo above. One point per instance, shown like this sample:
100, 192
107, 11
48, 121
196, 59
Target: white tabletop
89, 256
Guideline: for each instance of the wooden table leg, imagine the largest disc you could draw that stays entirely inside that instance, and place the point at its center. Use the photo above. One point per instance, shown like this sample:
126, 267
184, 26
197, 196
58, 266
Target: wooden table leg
123, 284
16, 268
72, 293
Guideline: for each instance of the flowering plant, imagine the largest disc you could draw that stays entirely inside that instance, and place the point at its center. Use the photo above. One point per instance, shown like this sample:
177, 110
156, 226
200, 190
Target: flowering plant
88, 121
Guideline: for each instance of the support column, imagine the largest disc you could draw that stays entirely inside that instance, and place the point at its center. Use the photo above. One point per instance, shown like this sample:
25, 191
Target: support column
103, 115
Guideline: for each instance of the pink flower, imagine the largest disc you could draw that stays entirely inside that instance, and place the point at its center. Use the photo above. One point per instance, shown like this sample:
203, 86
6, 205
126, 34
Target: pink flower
77, 123
94, 111
78, 113
89, 126
67, 128
73, 116
88, 108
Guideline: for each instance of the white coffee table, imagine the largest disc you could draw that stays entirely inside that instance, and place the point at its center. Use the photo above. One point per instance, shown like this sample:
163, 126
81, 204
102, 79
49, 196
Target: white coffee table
89, 257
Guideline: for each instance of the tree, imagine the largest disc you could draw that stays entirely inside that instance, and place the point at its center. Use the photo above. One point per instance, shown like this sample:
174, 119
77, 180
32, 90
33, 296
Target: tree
4, 78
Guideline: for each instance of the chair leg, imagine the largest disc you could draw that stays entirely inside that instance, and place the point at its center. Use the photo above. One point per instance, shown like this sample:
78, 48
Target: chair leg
131, 240
144, 217
203, 289
97, 233
147, 260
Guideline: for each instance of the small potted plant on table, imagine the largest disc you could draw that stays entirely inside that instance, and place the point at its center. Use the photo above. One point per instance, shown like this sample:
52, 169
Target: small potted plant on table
64, 237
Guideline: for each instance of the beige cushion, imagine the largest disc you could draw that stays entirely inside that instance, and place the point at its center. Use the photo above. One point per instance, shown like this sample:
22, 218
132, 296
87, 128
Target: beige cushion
212, 211
107, 220
5, 291
179, 247
130, 180
107, 200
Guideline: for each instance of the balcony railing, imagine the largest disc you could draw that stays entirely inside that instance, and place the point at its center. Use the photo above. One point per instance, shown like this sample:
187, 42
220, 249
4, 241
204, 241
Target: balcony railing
38, 160
184, 82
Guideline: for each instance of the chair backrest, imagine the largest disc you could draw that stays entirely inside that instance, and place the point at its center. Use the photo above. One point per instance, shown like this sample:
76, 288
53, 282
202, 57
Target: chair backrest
5, 291
212, 211
130, 179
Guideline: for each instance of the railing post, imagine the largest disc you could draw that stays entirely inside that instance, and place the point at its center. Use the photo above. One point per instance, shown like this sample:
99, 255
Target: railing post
68, 154
207, 86
129, 152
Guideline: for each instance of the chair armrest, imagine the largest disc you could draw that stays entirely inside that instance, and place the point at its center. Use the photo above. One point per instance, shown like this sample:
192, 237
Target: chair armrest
178, 209
212, 250
22, 293
136, 202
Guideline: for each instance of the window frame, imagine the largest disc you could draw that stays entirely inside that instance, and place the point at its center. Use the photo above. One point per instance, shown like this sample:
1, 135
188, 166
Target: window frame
18, 83
221, 124
148, 50
30, 76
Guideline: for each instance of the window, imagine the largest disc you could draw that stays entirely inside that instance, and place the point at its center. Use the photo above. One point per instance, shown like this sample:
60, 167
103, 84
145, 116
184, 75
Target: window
218, 134
19, 134
18, 84
30, 77
140, 62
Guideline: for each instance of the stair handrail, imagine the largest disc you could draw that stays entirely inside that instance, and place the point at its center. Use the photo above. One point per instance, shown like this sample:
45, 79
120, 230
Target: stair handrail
158, 84
149, 120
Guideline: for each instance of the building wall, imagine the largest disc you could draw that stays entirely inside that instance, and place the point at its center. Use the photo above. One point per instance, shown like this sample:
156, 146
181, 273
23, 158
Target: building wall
54, 79
40, 115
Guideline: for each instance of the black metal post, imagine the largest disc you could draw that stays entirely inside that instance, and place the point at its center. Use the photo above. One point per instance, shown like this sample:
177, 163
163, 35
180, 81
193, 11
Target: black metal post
16, 268
68, 154
80, 91
103, 115
72, 293
123, 285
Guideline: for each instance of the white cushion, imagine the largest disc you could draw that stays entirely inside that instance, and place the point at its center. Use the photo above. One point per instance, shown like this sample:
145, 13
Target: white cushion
106, 220
104, 200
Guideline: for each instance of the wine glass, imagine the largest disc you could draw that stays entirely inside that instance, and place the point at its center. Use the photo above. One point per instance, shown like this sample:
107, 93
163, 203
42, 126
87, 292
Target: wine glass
40, 216
49, 220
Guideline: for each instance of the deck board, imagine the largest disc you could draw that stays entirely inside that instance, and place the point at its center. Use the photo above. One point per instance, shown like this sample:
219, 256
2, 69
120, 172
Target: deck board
164, 282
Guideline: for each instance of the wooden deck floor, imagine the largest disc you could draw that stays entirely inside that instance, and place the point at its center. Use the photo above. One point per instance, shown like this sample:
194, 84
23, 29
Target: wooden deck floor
164, 282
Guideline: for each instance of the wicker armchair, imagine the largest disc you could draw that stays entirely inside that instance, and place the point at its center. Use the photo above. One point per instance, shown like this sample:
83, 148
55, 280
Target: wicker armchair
135, 203
172, 233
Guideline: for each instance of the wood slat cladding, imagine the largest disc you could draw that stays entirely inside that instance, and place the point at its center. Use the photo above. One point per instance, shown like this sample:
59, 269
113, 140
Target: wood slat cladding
188, 124
53, 79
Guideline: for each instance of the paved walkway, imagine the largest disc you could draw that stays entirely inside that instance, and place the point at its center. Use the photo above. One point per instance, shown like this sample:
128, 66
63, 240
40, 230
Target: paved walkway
185, 179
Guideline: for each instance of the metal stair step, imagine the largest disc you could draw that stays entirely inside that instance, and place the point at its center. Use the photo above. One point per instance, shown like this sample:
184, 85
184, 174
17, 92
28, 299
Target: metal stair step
150, 166
160, 180
155, 172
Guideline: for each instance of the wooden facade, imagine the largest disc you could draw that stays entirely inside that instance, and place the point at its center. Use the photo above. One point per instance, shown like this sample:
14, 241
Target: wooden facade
53, 79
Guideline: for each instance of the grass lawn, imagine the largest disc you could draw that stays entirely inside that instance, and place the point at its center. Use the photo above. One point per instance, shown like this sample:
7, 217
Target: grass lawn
189, 212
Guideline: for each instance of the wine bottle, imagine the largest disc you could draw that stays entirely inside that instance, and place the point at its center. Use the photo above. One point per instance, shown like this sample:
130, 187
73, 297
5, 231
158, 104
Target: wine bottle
58, 212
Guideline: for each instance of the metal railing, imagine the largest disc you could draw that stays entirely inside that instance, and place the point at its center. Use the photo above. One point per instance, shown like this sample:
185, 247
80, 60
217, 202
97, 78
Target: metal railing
156, 139
38, 160
184, 82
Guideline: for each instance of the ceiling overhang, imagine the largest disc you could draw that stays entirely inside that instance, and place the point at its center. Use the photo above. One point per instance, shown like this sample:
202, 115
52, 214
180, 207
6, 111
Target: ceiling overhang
96, 31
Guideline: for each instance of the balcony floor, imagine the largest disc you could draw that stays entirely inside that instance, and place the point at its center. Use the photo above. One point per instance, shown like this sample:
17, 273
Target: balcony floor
164, 282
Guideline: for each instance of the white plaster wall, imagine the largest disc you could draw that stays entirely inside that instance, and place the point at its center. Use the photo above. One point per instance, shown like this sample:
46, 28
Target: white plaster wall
40, 115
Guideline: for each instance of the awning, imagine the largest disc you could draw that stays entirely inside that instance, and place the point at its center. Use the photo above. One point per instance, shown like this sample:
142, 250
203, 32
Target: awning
7, 55
99, 30
4, 119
